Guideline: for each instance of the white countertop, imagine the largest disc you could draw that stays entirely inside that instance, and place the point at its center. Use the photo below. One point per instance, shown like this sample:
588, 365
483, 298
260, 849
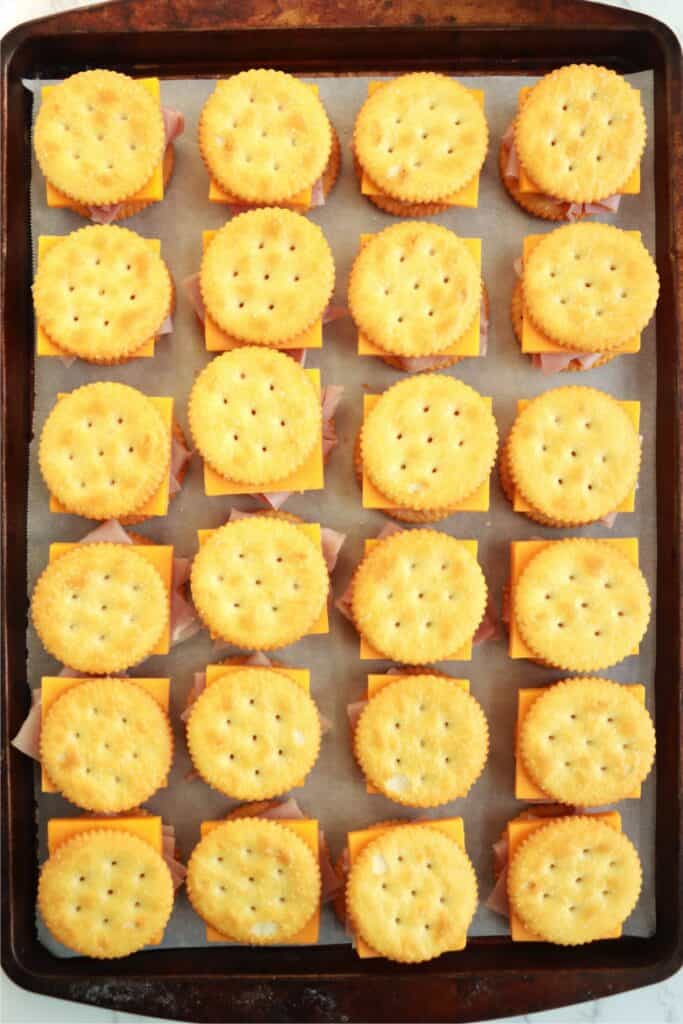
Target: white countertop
659, 1004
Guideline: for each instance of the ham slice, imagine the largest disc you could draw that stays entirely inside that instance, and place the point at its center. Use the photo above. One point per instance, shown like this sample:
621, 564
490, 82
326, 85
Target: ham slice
174, 124
497, 900
166, 327
193, 292
570, 211
317, 193
334, 312
180, 456
489, 627
609, 519
178, 870
555, 362
27, 740
273, 499
184, 619
108, 532
332, 543
354, 711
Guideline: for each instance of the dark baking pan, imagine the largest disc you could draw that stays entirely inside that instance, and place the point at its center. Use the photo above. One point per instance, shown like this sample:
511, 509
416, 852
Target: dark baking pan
492, 977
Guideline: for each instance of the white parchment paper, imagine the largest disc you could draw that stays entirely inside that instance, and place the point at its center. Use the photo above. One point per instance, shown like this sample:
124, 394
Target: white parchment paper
334, 792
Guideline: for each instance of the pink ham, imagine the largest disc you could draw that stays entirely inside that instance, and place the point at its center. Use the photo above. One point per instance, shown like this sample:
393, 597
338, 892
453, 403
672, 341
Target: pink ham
333, 312
180, 456
317, 193
484, 324
166, 327
388, 530
193, 292
505, 616
196, 690
108, 532
273, 499
609, 519
178, 870
332, 542
555, 362
184, 620
500, 854
489, 627
498, 897
354, 711
343, 603
27, 740
174, 124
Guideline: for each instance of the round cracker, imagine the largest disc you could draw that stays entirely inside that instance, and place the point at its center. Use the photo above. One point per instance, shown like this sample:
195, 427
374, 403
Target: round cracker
574, 880
415, 289
259, 583
402, 515
104, 450
98, 137
422, 741
581, 605
254, 881
421, 137
267, 276
255, 416
264, 136
587, 742
429, 442
412, 893
101, 292
517, 319
580, 133
254, 734
574, 455
590, 287
106, 745
100, 608
418, 596
105, 893
535, 203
